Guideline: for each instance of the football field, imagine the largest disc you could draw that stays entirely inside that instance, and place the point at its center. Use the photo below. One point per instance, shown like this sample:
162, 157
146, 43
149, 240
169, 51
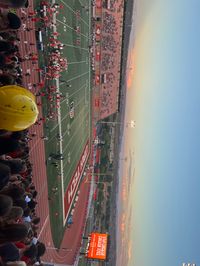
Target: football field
68, 136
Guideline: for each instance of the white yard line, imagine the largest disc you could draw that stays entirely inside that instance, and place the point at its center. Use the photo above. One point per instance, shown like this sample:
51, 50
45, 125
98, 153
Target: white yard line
63, 118
64, 3
74, 46
71, 127
78, 62
77, 76
77, 130
65, 24
75, 156
74, 92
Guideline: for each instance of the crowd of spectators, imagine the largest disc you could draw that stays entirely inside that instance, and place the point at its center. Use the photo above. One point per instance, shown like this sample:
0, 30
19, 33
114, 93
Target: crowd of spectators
109, 43
109, 23
18, 200
19, 243
107, 61
110, 57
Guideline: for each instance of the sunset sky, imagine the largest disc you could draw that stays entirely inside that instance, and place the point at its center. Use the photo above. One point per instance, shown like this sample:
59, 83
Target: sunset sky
163, 97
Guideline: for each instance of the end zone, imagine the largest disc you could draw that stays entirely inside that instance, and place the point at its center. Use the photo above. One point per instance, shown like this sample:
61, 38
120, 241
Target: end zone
74, 182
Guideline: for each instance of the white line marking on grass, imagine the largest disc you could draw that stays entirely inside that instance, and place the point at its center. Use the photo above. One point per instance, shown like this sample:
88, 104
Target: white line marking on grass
77, 47
66, 25
75, 156
77, 130
77, 186
78, 62
61, 150
81, 75
76, 111
73, 11
70, 95
63, 118
60, 129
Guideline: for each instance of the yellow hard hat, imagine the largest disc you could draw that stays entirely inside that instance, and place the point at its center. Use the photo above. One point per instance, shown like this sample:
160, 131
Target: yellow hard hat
18, 109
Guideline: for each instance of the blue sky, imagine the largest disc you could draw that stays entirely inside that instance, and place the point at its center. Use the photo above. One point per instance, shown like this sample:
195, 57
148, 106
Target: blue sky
163, 97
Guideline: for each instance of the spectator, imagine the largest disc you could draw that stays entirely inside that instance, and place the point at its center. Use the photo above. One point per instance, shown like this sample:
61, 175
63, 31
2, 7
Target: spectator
6, 79
13, 232
8, 145
5, 175
13, 3
6, 204
9, 21
9, 252
14, 214
16, 165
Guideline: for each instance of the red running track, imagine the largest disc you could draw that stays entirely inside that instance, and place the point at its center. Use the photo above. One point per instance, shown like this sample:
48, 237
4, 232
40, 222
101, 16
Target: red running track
72, 237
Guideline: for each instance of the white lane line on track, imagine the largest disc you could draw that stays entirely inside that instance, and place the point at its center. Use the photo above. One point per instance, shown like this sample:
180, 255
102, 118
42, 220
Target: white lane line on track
89, 68
35, 145
44, 225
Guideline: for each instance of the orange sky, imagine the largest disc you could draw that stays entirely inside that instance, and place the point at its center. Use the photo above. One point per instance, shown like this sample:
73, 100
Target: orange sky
130, 71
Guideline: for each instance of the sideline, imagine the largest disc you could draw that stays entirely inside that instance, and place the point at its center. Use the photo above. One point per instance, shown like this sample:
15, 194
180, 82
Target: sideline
60, 129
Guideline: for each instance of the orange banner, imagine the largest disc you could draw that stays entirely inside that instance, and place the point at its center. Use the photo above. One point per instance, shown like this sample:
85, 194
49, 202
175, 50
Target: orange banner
97, 246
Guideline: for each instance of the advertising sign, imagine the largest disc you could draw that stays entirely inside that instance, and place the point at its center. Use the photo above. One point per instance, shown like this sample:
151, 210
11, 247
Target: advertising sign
97, 246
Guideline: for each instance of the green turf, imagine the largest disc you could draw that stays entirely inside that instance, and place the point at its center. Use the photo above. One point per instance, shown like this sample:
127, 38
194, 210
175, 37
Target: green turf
75, 131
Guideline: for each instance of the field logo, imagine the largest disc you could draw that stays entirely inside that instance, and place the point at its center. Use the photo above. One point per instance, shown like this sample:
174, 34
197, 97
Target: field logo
73, 185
